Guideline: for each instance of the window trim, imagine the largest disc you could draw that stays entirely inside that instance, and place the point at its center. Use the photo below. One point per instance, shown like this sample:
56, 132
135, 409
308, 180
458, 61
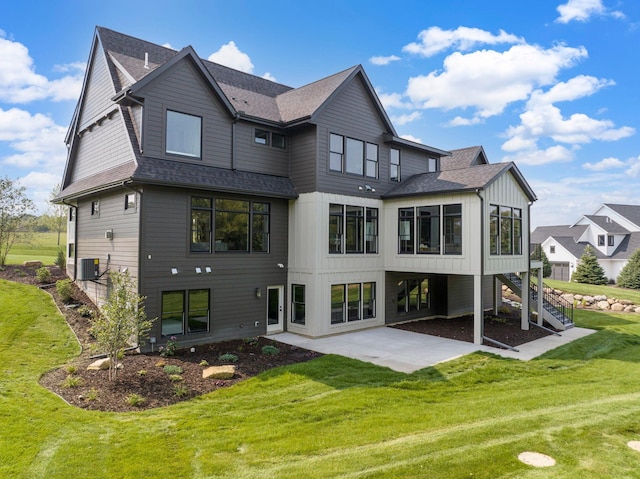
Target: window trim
611, 241
394, 165
600, 240
352, 309
185, 312
297, 304
364, 225
175, 152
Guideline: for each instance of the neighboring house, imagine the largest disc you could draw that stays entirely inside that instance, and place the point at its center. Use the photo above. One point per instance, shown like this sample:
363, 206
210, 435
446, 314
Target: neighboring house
244, 207
612, 230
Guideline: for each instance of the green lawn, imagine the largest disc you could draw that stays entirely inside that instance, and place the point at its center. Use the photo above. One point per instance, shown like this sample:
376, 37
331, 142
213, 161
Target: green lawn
332, 417
590, 289
40, 246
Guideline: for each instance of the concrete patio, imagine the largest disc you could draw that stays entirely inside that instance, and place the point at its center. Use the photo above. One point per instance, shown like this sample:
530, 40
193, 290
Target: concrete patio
406, 351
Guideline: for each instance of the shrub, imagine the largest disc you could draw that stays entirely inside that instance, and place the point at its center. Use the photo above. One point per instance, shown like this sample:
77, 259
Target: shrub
92, 395
43, 274
204, 363
85, 311
181, 391
176, 378
630, 275
172, 369
270, 350
169, 349
61, 260
72, 382
135, 399
589, 270
72, 369
142, 372
252, 341
65, 290
228, 358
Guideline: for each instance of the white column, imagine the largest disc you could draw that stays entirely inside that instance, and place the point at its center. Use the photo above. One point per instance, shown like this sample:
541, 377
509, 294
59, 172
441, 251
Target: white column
524, 295
478, 319
497, 295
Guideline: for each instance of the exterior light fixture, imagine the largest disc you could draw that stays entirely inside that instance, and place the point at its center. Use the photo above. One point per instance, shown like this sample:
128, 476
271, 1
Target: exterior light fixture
258, 293
198, 270
174, 270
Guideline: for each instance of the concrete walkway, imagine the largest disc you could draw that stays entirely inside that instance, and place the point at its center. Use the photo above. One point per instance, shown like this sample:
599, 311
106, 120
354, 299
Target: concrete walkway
406, 352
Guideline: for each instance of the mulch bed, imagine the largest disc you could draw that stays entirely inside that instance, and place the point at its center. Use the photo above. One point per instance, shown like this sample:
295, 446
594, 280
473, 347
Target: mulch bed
144, 374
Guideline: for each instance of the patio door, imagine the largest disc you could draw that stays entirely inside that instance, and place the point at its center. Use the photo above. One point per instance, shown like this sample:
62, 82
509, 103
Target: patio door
275, 308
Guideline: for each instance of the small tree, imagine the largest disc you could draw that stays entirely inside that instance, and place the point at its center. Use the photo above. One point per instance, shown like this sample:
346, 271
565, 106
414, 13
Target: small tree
14, 209
57, 213
630, 275
122, 320
589, 270
546, 264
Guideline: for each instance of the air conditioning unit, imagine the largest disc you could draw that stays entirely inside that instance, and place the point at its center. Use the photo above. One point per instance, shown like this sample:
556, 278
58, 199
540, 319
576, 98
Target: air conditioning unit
88, 269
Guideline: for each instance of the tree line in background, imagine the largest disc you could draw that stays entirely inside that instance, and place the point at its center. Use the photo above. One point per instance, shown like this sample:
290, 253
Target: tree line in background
18, 219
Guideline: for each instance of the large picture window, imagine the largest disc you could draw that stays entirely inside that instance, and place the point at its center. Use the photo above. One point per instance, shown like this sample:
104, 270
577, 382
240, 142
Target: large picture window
192, 305
183, 134
505, 230
353, 156
232, 225
452, 229
352, 302
201, 211
405, 230
353, 229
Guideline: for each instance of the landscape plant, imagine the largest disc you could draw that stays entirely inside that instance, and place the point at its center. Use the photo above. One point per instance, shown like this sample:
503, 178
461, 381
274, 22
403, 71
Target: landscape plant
122, 321
15, 208
589, 270
43, 275
629, 277
64, 287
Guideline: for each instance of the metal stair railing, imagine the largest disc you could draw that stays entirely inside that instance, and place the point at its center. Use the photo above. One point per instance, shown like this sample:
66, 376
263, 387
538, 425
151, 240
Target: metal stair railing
557, 306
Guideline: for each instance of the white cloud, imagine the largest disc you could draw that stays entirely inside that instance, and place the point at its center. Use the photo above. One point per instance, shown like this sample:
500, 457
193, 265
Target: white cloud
604, 164
19, 83
584, 10
392, 100
231, 56
531, 155
489, 80
404, 119
411, 138
379, 60
168, 45
269, 76
634, 167
435, 40
461, 121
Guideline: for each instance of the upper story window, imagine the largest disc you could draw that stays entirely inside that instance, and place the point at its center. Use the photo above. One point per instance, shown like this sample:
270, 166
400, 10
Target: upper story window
431, 220
429, 229
72, 213
95, 208
406, 221
452, 229
505, 230
600, 240
266, 137
610, 240
183, 134
432, 165
353, 232
353, 156
552, 249
201, 211
394, 164
130, 201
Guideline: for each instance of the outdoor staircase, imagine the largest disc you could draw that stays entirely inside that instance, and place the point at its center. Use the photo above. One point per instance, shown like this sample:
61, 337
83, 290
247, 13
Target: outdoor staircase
557, 311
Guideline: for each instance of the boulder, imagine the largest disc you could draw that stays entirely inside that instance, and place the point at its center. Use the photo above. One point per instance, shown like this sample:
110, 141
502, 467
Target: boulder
578, 297
34, 263
617, 307
101, 365
630, 309
603, 304
612, 300
637, 310
600, 297
626, 302
219, 372
589, 299
568, 297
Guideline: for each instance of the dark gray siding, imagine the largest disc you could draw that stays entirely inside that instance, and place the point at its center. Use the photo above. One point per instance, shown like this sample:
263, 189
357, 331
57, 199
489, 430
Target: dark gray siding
251, 156
182, 89
104, 146
234, 277
303, 159
98, 91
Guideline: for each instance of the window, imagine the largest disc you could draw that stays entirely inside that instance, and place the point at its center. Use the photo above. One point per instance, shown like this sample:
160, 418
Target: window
130, 201
352, 302
610, 240
337, 303
336, 152
494, 229
600, 240
505, 230
72, 213
336, 219
368, 300
192, 305
232, 225
371, 168
371, 235
261, 136
413, 295
552, 249
432, 165
71, 250
355, 229
429, 229
260, 228
198, 318
201, 211
405, 230
277, 140
394, 164
452, 229
298, 307
183, 134
355, 156
95, 208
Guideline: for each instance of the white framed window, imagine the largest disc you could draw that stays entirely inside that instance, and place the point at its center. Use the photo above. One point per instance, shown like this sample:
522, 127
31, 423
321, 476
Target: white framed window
355, 157
371, 165
394, 164
336, 152
261, 137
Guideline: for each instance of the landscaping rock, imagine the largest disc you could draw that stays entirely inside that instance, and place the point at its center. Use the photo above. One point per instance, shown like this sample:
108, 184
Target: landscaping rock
32, 263
617, 307
630, 309
219, 372
603, 304
578, 297
568, 297
600, 297
589, 299
637, 310
101, 365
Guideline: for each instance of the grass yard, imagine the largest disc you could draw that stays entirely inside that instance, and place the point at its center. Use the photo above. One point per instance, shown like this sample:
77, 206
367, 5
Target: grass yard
590, 289
40, 246
332, 417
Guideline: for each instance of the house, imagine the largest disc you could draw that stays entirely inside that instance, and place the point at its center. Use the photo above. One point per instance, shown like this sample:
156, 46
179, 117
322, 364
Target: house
244, 207
612, 230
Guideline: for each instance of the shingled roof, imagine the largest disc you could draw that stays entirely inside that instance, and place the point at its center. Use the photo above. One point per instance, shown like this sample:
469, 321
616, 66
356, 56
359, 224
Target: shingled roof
464, 158
607, 224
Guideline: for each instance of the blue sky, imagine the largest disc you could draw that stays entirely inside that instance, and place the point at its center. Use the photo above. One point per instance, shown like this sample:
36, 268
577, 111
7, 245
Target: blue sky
551, 85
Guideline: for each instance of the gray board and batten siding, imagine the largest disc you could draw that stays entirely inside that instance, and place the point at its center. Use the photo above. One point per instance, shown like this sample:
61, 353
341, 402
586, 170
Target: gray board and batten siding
234, 276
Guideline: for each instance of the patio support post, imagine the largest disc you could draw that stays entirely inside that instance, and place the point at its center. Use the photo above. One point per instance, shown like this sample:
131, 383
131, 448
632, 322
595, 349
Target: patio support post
497, 294
525, 295
478, 317
540, 298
